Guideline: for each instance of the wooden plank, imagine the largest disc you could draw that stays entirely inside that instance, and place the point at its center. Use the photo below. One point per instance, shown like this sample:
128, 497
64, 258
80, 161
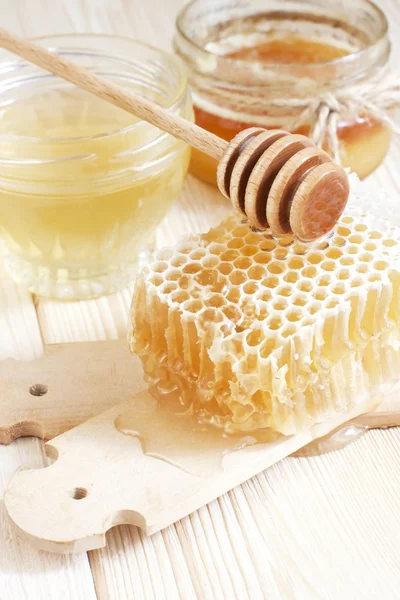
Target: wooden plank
24, 571
293, 532
245, 545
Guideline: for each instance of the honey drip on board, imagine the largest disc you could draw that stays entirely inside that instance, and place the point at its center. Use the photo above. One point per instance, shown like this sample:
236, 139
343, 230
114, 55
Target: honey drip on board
173, 433
336, 440
159, 424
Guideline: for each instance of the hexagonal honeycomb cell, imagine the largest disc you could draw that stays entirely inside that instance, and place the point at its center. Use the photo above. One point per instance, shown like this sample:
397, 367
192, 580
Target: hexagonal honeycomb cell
255, 332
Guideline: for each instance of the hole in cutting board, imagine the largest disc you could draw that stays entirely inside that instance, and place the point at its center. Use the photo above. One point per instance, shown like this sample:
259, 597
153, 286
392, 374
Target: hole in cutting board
79, 493
38, 389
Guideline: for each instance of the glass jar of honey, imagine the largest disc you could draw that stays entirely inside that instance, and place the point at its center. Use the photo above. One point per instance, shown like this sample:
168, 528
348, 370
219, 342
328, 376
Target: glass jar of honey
253, 62
83, 184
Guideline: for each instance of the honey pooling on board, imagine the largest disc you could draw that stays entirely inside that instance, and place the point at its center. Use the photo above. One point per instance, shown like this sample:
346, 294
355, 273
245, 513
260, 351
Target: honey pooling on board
364, 140
254, 332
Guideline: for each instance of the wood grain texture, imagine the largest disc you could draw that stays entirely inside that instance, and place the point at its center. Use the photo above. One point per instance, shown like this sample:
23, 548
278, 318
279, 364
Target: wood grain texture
285, 185
66, 386
24, 571
322, 528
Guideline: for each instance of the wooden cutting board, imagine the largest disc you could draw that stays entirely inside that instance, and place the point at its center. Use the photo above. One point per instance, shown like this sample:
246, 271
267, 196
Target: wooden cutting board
101, 477
68, 385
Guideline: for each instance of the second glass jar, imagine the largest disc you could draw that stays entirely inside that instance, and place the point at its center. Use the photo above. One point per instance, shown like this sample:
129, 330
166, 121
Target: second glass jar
243, 55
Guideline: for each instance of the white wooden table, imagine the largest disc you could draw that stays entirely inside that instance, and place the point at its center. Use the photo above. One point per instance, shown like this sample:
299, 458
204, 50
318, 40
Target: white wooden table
317, 528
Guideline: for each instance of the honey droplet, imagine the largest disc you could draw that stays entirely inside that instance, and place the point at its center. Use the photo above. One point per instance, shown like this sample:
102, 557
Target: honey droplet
336, 440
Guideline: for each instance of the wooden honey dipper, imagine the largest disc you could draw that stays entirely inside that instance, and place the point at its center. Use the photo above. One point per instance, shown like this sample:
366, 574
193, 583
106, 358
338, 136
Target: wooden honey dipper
278, 180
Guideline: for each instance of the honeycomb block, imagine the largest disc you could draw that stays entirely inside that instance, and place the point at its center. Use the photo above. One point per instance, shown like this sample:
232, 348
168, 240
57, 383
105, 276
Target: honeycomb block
255, 332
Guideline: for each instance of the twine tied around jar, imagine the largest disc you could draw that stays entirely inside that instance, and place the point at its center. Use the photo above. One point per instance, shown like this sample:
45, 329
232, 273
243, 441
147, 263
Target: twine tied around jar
322, 112
375, 97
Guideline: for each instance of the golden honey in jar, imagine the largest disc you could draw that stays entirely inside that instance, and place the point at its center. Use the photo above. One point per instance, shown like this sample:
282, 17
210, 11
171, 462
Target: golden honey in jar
249, 61
83, 184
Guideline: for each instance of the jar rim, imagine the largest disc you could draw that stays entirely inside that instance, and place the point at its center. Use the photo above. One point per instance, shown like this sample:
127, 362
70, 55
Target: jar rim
173, 105
353, 56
